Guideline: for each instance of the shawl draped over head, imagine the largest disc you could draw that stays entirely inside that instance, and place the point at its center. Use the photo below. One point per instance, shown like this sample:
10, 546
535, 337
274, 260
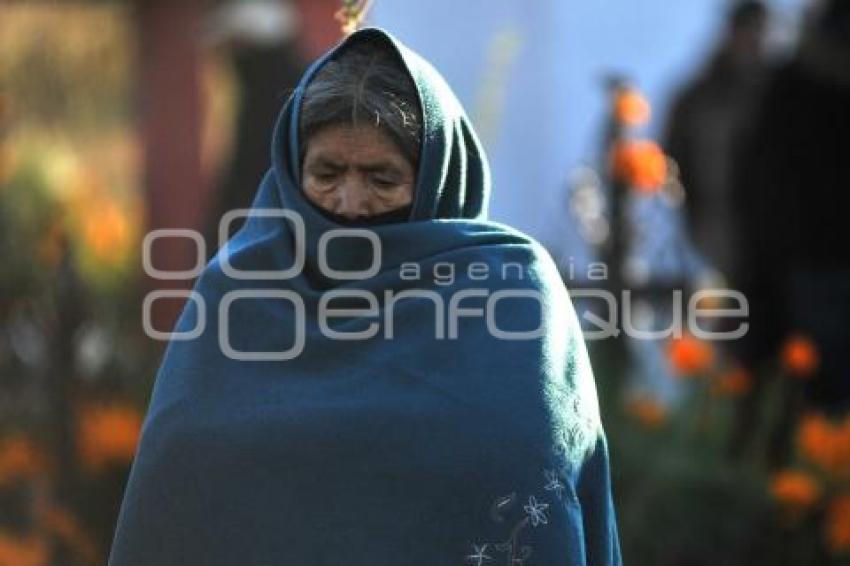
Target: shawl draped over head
429, 436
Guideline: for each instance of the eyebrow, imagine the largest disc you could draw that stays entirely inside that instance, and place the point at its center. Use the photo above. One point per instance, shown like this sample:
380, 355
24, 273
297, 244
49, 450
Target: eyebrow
381, 167
326, 162
377, 167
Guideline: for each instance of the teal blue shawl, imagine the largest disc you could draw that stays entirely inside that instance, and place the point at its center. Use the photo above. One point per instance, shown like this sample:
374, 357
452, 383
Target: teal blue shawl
461, 427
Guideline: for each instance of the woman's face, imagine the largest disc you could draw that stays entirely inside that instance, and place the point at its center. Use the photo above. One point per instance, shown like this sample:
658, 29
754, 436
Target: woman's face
356, 171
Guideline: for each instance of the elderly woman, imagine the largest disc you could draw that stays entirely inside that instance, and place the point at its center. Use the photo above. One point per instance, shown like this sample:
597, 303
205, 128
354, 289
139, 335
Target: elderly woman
370, 372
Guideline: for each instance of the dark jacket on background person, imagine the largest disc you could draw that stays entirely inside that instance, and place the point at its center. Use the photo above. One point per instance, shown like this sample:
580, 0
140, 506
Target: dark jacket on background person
793, 195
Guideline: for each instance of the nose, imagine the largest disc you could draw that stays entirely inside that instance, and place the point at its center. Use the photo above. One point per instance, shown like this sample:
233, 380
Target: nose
352, 200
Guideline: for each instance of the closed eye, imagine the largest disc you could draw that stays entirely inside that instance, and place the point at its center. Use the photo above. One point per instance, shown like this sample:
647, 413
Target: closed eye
325, 171
326, 177
385, 184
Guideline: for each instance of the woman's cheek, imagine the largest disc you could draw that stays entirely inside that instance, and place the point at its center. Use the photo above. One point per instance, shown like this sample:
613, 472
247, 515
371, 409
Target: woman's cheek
402, 196
320, 188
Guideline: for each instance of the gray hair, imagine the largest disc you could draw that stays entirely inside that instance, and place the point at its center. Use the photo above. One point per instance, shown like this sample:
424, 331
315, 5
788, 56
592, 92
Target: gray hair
366, 84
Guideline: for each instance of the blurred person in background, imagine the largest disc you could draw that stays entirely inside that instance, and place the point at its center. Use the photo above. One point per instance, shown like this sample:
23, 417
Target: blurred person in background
792, 195
705, 125
377, 449
260, 37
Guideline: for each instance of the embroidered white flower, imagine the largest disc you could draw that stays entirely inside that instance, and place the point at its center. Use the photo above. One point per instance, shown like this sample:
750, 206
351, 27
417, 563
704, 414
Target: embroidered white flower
553, 483
478, 555
536, 511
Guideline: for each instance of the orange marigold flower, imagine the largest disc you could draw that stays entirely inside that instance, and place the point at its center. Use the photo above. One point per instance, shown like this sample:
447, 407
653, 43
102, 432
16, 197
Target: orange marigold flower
825, 444
732, 383
800, 356
838, 524
107, 232
19, 458
108, 434
630, 108
640, 164
795, 489
690, 356
22, 551
816, 440
648, 412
